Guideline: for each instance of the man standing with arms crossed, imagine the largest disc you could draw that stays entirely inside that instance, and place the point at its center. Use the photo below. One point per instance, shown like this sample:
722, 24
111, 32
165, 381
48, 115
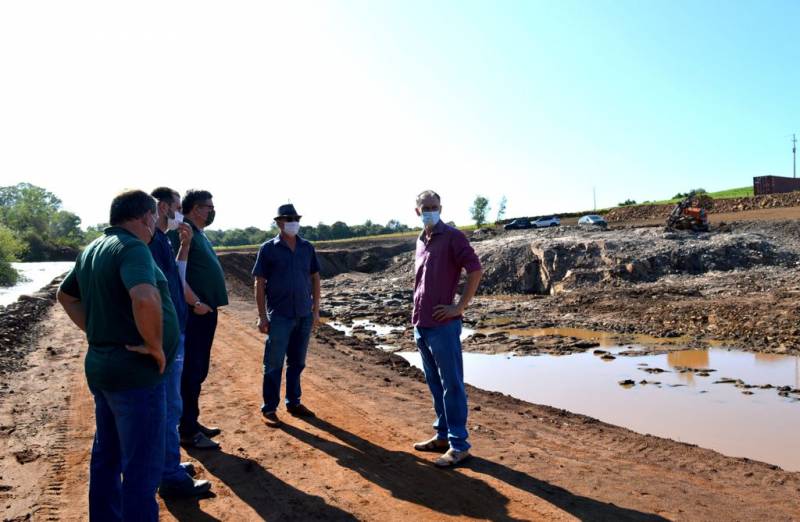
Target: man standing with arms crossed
205, 293
442, 253
176, 479
287, 292
119, 297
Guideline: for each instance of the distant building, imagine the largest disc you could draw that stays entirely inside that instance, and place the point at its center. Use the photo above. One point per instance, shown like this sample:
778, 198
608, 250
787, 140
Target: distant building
774, 185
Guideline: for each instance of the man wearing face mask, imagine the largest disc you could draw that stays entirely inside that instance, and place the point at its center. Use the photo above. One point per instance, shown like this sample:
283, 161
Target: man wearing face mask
442, 253
119, 297
287, 292
176, 479
205, 292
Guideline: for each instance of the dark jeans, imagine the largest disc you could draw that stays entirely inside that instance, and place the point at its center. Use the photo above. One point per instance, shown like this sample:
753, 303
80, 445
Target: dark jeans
287, 339
197, 355
127, 454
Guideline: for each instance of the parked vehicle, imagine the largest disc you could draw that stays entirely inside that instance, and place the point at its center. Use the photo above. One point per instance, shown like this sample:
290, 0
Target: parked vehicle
593, 220
547, 221
518, 224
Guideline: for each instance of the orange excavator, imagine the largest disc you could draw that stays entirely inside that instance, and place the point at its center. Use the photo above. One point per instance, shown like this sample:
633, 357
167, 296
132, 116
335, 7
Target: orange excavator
691, 213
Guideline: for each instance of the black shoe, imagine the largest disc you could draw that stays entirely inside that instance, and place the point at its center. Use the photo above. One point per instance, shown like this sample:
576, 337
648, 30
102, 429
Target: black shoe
199, 441
188, 467
271, 419
189, 488
300, 411
208, 432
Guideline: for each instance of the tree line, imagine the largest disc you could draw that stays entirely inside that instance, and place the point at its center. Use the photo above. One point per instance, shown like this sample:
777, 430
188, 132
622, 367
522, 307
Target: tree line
320, 232
34, 227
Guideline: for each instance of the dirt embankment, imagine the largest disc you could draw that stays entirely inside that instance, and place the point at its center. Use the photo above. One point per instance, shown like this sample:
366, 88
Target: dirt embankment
366, 257
721, 206
19, 326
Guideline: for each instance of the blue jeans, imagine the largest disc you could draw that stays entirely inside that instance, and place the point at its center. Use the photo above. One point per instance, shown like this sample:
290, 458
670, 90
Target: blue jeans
127, 454
287, 339
440, 347
173, 471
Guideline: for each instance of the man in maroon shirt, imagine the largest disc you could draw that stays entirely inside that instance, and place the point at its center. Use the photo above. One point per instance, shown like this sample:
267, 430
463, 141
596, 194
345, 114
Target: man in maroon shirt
442, 253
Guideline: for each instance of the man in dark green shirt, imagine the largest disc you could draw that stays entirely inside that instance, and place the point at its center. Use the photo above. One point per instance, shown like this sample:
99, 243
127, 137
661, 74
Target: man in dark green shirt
206, 292
117, 295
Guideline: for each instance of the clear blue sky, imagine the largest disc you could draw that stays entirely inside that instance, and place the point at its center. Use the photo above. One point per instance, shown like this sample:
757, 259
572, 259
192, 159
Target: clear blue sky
351, 108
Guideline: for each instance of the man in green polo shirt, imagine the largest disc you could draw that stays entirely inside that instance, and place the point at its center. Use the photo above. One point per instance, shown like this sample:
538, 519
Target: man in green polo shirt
117, 295
205, 292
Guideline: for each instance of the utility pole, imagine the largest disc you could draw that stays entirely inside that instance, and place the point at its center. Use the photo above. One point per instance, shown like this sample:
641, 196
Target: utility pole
794, 156
594, 199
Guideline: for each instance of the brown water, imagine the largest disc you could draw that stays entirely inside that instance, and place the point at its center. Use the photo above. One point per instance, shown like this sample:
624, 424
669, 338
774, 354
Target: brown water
685, 406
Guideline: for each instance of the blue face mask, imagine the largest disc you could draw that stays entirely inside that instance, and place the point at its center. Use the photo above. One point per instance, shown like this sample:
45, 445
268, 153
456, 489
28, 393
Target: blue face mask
430, 219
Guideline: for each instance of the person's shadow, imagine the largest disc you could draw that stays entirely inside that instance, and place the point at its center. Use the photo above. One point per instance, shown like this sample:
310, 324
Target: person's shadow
584, 508
407, 476
269, 496
413, 479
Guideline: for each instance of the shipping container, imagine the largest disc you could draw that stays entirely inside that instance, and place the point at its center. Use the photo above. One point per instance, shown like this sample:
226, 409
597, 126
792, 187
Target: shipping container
774, 185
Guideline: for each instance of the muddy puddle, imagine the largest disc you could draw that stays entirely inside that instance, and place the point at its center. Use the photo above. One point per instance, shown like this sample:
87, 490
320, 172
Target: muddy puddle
736, 417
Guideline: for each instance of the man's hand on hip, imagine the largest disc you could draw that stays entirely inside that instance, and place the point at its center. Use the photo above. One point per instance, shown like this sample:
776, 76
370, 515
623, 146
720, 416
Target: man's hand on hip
156, 352
443, 312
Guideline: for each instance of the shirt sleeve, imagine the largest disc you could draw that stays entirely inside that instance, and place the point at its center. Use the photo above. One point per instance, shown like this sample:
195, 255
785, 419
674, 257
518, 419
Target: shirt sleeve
464, 254
137, 266
70, 283
259, 270
314, 261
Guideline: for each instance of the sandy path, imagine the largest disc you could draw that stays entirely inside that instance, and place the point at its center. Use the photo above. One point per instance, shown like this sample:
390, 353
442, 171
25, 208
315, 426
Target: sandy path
354, 462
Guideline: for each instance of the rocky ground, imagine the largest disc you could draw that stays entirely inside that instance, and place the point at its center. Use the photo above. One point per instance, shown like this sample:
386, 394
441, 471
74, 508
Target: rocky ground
737, 285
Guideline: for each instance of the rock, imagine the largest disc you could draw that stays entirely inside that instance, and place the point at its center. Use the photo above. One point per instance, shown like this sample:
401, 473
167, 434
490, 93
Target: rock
627, 383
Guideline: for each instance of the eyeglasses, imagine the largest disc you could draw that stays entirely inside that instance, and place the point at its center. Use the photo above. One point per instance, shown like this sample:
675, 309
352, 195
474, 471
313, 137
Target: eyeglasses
291, 219
207, 206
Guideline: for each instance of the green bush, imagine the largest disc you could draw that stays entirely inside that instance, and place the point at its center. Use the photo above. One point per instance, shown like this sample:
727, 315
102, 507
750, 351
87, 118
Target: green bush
8, 276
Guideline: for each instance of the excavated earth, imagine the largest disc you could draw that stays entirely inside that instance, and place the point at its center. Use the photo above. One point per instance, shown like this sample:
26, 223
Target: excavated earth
737, 285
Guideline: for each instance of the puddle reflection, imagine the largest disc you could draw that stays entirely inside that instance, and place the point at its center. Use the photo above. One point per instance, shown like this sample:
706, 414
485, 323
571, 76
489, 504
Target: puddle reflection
685, 406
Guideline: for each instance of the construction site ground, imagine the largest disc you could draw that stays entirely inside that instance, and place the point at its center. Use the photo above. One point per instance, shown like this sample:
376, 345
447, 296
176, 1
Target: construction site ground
355, 461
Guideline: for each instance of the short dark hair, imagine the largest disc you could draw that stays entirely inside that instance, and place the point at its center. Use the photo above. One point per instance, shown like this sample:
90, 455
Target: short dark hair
164, 194
131, 204
192, 197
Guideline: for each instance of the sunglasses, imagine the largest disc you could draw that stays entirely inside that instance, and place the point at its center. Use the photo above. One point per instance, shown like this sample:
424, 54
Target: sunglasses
289, 219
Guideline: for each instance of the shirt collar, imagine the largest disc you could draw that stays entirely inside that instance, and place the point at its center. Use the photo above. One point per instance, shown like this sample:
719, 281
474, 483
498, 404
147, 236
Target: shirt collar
438, 228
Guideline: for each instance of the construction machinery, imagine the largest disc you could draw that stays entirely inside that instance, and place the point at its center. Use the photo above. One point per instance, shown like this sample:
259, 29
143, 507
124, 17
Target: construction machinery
691, 213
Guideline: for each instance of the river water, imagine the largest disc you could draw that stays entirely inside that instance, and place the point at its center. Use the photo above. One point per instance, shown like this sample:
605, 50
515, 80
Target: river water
34, 276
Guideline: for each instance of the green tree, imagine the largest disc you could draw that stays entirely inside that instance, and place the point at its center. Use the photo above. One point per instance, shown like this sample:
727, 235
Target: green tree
65, 228
93, 232
501, 209
25, 208
479, 209
10, 250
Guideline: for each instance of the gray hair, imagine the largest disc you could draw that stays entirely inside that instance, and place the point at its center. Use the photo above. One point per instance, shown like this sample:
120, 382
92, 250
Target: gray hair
425, 194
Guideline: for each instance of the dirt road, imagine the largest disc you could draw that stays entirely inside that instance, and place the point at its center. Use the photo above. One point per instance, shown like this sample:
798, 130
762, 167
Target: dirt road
354, 461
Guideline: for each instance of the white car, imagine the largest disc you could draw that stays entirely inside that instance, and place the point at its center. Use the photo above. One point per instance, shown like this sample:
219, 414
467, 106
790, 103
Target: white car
547, 221
593, 220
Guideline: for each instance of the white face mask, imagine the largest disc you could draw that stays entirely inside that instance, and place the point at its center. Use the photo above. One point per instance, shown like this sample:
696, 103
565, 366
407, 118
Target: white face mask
173, 222
430, 219
291, 228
